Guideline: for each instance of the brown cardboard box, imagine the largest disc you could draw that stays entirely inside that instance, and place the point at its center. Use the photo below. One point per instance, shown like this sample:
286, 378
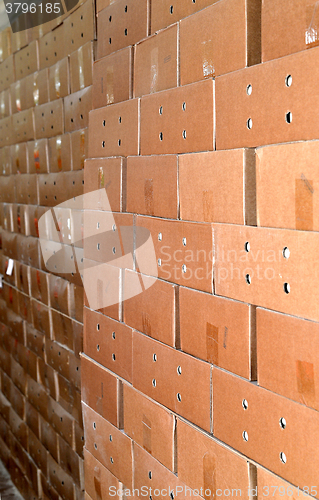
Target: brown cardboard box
206, 464
285, 175
19, 158
109, 343
21, 37
114, 130
20, 215
59, 151
60, 480
5, 103
154, 311
49, 119
183, 251
152, 185
6, 131
59, 293
18, 92
23, 126
79, 27
57, 188
27, 60
268, 482
37, 88
156, 62
180, 120
7, 192
108, 174
166, 12
8, 165
123, 23
59, 79
113, 78
218, 186
76, 109
108, 445
79, 148
52, 47
265, 427
220, 39
302, 19
267, 267
219, 331
150, 426
172, 378
7, 73
98, 479
81, 65
101, 391
27, 189
286, 356
5, 43
268, 103
38, 156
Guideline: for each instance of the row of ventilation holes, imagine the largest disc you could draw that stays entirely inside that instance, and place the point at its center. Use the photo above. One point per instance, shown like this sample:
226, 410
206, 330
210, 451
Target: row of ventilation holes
98, 345
179, 372
286, 255
249, 89
104, 124
159, 261
282, 424
110, 20
161, 112
113, 229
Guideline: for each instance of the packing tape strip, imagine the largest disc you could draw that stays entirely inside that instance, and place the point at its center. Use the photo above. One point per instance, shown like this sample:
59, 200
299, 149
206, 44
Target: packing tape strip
212, 343
18, 97
209, 472
36, 156
305, 382
149, 196
82, 148
304, 203
57, 81
36, 90
207, 59
154, 70
311, 32
81, 68
147, 434
109, 85
58, 146
208, 206
146, 321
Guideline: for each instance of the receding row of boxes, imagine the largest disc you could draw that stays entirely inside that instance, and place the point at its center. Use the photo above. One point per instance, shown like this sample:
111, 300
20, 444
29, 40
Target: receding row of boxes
47, 120
182, 384
67, 39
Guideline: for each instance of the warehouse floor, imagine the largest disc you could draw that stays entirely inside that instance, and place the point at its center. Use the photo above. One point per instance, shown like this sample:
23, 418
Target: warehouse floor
7, 489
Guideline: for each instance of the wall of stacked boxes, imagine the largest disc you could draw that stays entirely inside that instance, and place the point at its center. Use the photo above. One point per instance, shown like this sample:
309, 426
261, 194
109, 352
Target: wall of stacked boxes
46, 87
198, 373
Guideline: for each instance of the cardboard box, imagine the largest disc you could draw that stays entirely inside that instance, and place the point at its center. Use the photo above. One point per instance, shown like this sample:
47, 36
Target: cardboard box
108, 445
167, 12
26, 61
20, 219
267, 267
145, 311
292, 191
5, 43
177, 121
265, 427
56, 188
60, 480
37, 88
6, 132
79, 27
8, 166
275, 93
79, 148
109, 343
121, 137
52, 47
19, 158
59, 294
38, 156
223, 188
219, 331
150, 426
27, 189
8, 184
76, 109
49, 119
204, 463
183, 251
291, 368
81, 65
101, 390
18, 93
98, 479
59, 79
156, 62
21, 37
5, 103
268, 482
152, 185
7, 73
222, 38
122, 23
59, 152
302, 19
23, 126
173, 379
113, 78
105, 174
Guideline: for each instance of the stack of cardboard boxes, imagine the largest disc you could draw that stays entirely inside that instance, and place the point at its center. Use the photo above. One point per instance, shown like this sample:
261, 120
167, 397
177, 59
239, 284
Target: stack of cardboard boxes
46, 87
